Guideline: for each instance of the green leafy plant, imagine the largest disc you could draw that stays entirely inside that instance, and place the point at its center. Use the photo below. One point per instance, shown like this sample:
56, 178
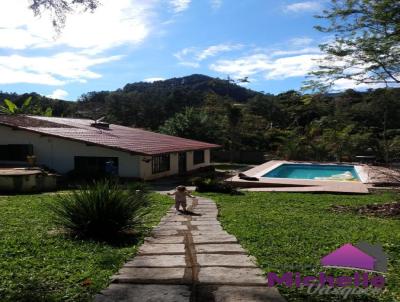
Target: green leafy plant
100, 210
213, 185
11, 108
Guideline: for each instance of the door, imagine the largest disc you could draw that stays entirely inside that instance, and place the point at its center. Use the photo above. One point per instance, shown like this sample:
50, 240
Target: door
182, 163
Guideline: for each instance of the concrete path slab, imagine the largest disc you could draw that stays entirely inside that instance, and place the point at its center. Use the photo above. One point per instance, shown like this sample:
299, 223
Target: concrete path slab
151, 275
190, 258
232, 276
162, 248
157, 261
238, 294
225, 260
219, 248
144, 293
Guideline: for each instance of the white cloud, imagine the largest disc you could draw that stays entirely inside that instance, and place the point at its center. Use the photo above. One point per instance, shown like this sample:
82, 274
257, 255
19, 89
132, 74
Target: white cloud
301, 41
215, 50
179, 6
155, 79
190, 64
216, 4
344, 84
306, 6
270, 65
85, 37
58, 94
10, 76
243, 66
278, 64
192, 56
113, 24
295, 66
52, 70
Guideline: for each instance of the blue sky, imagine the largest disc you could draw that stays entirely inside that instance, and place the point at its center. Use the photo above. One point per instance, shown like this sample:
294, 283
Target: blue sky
272, 42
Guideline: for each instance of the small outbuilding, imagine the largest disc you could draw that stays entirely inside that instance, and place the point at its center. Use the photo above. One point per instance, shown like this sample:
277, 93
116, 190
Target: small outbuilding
87, 146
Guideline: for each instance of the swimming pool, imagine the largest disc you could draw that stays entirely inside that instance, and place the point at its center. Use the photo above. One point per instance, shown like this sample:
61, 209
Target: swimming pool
314, 172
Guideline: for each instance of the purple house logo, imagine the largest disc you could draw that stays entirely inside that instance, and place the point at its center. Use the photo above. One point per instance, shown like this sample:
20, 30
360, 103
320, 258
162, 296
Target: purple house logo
363, 256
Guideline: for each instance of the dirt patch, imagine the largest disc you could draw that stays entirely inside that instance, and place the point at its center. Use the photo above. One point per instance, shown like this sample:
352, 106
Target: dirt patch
391, 209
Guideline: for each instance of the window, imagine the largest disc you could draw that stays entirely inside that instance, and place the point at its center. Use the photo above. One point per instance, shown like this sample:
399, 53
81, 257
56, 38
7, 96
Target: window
160, 163
96, 166
198, 157
15, 152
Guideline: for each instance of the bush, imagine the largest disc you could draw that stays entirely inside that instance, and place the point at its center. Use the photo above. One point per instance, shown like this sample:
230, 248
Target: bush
100, 210
213, 185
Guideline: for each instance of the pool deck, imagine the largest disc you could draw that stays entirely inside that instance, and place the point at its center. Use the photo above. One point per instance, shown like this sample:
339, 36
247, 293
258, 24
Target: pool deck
268, 184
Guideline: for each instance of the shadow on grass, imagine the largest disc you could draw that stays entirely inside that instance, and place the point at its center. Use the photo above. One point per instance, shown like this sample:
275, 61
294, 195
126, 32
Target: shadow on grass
30, 290
121, 239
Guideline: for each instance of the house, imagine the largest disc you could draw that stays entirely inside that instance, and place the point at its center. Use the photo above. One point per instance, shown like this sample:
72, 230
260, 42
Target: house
84, 145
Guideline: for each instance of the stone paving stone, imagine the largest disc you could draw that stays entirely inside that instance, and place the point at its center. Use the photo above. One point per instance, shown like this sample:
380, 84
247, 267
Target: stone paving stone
168, 228
221, 248
220, 233
157, 261
211, 222
151, 248
207, 211
174, 218
225, 260
232, 276
164, 233
170, 275
208, 227
165, 239
214, 239
171, 223
201, 218
238, 294
206, 207
144, 293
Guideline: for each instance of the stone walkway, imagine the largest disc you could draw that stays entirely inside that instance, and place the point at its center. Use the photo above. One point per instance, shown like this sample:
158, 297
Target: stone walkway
190, 258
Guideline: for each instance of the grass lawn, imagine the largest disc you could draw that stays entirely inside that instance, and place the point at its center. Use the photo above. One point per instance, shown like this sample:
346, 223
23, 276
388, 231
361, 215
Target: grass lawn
37, 263
284, 229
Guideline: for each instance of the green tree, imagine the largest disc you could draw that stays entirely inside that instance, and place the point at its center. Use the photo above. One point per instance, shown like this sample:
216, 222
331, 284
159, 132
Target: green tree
234, 115
193, 124
366, 47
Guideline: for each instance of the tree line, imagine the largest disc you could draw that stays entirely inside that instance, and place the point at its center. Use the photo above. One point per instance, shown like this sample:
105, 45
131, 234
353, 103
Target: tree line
290, 125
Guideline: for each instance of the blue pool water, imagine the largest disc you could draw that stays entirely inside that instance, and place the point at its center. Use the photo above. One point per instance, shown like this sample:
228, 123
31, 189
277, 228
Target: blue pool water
314, 171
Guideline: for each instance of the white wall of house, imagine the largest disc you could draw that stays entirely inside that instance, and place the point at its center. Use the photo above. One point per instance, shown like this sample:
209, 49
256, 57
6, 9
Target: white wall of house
59, 154
146, 165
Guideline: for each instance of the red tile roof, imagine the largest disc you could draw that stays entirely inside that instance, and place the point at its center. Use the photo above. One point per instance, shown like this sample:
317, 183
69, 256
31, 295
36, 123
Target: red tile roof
116, 137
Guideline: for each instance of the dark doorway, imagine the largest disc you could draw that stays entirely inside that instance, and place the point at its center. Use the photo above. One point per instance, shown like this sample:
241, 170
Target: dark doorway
88, 166
15, 152
182, 163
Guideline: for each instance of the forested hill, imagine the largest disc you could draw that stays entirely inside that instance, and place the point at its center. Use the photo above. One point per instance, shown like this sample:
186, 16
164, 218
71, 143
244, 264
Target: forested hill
148, 105
290, 124
196, 83
144, 104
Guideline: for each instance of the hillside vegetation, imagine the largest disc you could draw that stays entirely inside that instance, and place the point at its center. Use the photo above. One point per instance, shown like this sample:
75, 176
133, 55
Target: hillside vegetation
290, 125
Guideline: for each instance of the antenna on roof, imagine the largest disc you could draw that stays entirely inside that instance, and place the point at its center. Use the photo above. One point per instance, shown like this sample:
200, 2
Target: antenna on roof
100, 124
100, 119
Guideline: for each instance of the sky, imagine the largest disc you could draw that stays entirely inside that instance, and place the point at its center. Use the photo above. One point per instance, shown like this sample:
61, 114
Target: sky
272, 42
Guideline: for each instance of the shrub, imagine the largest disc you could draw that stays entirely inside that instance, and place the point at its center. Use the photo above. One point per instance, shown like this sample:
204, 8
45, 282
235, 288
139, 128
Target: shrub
213, 185
100, 210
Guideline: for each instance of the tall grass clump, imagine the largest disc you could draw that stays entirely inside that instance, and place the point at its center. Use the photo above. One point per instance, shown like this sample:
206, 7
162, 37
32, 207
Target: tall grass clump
100, 210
